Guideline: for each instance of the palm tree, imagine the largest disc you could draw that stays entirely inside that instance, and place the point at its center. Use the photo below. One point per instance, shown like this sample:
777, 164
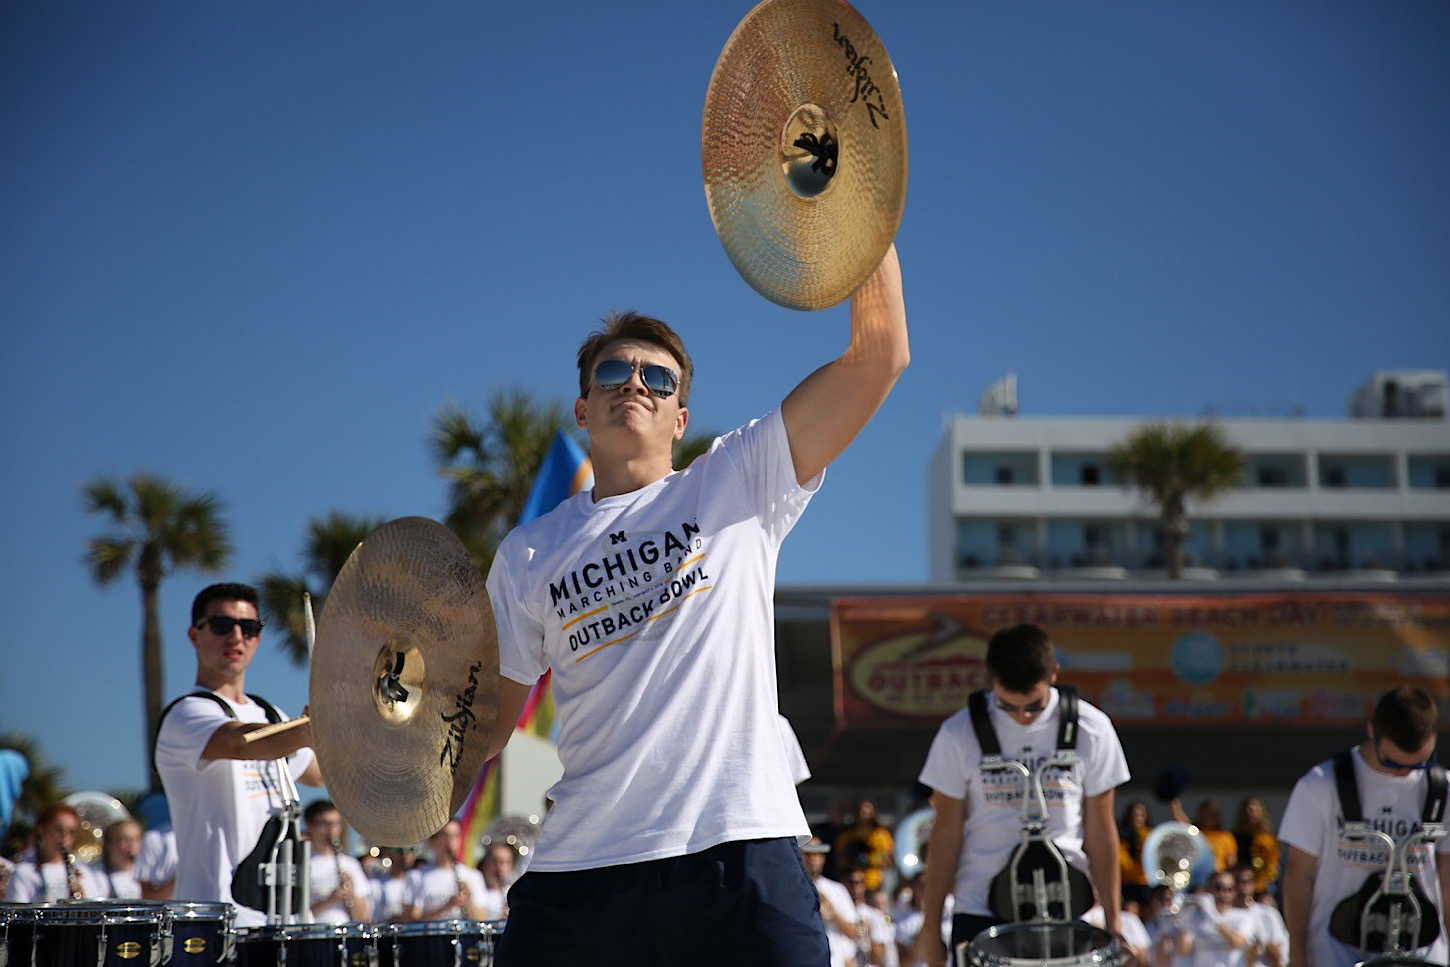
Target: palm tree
491, 466
329, 542
1171, 464
160, 528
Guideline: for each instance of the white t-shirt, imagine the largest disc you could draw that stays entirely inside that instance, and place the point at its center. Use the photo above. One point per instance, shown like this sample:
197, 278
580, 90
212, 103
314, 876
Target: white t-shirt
494, 902
800, 771
49, 882
840, 931
156, 863
387, 897
654, 609
992, 802
428, 887
1129, 927
119, 884
1312, 822
1270, 929
218, 806
322, 880
1210, 947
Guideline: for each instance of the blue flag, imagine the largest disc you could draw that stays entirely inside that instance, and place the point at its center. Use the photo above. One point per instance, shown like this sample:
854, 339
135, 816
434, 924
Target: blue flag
14, 767
566, 470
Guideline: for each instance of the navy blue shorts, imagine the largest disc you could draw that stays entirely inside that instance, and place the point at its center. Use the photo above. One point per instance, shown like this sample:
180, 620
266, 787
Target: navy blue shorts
749, 902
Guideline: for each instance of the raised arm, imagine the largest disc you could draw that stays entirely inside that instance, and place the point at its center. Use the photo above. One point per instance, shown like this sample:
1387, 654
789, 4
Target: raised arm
825, 412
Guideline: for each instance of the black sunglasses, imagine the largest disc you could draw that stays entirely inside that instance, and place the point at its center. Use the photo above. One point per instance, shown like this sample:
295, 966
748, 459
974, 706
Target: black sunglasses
221, 625
1393, 764
1010, 709
611, 374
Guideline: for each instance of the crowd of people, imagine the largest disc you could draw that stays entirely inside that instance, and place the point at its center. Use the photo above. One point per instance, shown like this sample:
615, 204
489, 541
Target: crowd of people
393, 885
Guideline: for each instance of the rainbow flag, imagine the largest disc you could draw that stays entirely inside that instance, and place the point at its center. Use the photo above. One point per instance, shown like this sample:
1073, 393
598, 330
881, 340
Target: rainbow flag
566, 470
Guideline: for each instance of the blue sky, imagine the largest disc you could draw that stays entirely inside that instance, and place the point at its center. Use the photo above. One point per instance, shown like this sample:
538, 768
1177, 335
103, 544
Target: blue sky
255, 246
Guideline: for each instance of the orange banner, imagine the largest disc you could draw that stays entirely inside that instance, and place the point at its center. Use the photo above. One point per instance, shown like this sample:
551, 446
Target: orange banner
1300, 658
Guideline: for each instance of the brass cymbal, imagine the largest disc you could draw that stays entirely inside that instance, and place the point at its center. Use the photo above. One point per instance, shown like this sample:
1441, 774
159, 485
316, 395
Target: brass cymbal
404, 683
804, 150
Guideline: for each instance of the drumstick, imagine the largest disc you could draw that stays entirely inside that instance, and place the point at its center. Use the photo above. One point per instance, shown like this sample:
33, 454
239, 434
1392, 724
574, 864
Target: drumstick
308, 623
275, 727
310, 632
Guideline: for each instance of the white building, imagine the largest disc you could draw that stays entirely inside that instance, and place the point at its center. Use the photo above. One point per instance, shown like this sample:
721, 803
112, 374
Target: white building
1364, 497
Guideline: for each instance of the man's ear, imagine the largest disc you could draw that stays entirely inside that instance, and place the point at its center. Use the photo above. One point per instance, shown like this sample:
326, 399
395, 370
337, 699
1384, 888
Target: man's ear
579, 409
682, 419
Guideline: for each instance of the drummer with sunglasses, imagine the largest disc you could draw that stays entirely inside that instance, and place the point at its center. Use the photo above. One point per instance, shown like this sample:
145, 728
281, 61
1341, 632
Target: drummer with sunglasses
673, 833
221, 789
979, 810
1390, 771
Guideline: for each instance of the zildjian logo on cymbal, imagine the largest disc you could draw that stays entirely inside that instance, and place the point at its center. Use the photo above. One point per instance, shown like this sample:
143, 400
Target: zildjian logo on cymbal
460, 722
858, 65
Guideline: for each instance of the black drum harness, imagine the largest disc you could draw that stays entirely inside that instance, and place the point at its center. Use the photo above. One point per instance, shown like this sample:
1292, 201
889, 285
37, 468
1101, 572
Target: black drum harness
1390, 913
1038, 883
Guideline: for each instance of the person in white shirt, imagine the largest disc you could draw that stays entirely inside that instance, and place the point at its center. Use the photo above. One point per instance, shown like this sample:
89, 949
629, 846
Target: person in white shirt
340, 891
979, 811
1389, 774
50, 872
156, 863
221, 789
120, 846
838, 911
444, 889
390, 884
1221, 932
1271, 936
497, 867
649, 598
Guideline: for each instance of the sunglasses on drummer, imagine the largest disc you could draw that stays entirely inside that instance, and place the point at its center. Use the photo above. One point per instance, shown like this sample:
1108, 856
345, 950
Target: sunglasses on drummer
661, 381
221, 625
1037, 708
1393, 764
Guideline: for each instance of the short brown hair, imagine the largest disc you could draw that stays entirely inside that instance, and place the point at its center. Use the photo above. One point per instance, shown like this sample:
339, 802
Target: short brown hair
632, 325
1407, 716
1020, 657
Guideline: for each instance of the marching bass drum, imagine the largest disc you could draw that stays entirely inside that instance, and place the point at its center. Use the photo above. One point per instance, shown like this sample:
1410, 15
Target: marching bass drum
1041, 944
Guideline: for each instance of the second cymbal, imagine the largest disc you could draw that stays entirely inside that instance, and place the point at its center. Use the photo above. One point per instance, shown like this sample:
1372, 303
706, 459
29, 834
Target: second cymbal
404, 683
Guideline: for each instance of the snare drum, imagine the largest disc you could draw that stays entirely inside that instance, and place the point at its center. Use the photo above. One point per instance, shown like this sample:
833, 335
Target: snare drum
447, 943
99, 934
360, 944
1036, 944
201, 933
292, 945
17, 932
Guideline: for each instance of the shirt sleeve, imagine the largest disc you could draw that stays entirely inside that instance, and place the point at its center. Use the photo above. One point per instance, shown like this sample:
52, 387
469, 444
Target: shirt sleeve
520, 634
1303, 825
945, 769
761, 451
1107, 767
185, 731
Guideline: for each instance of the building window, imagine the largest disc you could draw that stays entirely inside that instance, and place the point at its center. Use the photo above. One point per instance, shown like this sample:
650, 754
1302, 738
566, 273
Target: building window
1273, 477
1334, 477
1442, 478
1091, 475
1268, 539
1004, 474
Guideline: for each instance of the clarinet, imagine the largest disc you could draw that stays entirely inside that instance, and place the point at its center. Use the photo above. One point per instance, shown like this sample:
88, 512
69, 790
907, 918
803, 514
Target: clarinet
72, 876
344, 882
